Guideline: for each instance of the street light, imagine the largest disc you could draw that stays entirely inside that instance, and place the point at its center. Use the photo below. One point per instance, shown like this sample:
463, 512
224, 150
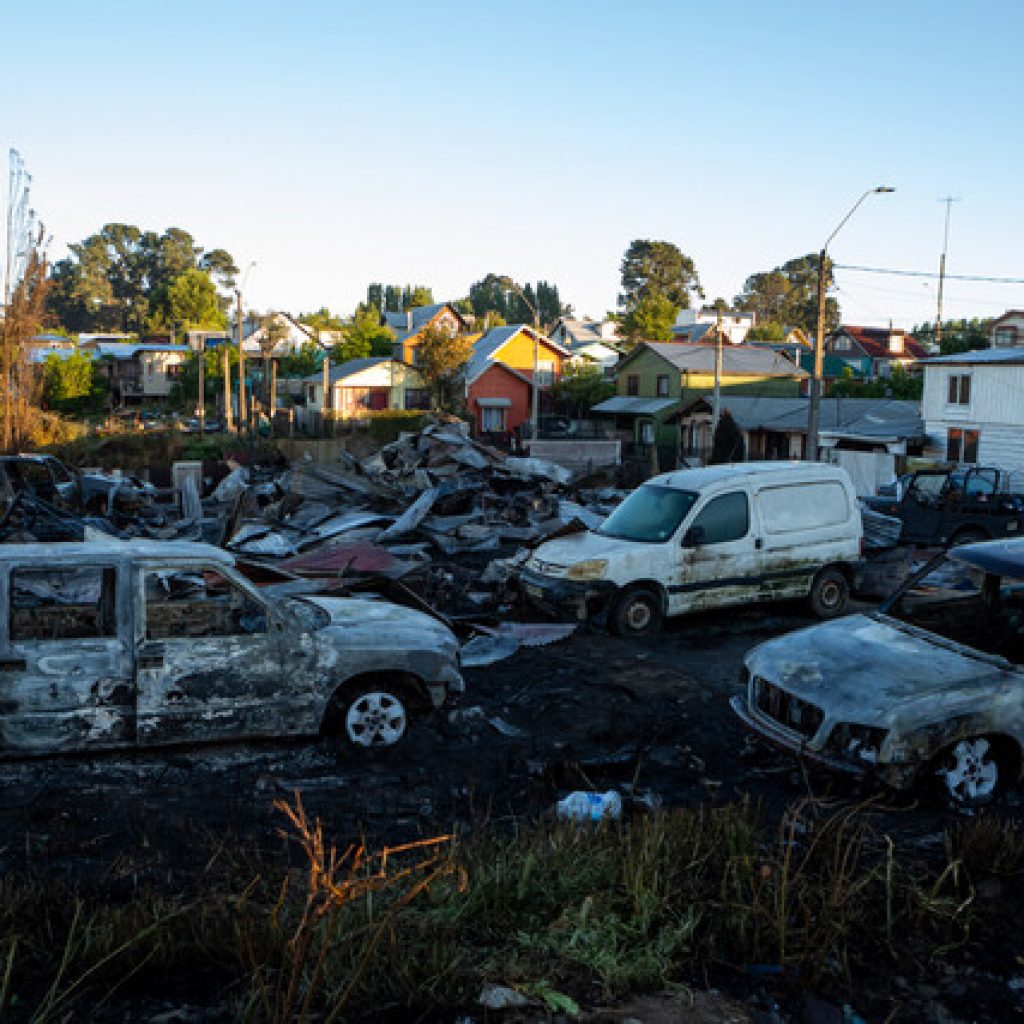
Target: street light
814, 412
507, 284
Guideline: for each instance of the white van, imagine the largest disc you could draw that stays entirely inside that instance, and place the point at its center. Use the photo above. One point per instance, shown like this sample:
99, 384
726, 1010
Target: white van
707, 538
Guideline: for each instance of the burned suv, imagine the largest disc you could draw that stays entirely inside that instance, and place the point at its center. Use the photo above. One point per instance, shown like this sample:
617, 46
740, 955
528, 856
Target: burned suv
140, 643
929, 687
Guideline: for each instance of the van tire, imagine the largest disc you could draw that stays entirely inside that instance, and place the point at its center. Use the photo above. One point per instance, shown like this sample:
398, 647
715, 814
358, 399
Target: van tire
636, 612
830, 594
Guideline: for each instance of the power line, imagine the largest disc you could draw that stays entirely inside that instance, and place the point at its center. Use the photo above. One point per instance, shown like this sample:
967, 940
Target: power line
928, 273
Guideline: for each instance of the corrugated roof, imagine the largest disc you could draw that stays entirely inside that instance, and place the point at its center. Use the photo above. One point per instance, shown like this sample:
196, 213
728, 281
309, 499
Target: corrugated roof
860, 417
737, 360
874, 342
980, 357
348, 368
627, 405
489, 344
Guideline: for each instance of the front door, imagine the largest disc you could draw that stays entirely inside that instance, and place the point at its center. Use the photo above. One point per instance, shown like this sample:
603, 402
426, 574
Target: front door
208, 661
65, 664
720, 556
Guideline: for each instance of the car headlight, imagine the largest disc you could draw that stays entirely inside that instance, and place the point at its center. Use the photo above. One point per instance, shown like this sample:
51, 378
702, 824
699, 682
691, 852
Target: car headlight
857, 742
593, 569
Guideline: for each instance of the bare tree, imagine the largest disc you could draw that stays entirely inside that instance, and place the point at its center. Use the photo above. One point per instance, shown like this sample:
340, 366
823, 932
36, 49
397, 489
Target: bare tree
21, 384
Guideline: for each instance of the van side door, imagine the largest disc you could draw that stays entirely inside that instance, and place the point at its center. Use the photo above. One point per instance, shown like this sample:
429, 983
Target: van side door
66, 680
720, 560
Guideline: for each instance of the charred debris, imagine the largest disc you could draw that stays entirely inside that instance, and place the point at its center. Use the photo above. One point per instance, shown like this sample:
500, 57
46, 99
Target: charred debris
435, 520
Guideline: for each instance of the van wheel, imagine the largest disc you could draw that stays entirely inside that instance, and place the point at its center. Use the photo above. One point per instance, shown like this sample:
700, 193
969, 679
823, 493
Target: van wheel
636, 613
830, 594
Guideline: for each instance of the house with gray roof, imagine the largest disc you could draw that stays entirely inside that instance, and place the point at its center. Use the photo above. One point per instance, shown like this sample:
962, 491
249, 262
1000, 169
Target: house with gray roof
358, 387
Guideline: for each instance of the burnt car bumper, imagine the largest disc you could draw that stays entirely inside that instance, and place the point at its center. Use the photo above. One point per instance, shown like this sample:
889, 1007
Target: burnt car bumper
577, 599
777, 737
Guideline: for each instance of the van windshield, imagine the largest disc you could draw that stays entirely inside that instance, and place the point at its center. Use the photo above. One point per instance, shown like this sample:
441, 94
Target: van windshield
651, 514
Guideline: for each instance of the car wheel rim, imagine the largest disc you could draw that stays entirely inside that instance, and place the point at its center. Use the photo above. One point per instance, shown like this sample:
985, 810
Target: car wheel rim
638, 616
971, 774
375, 720
830, 595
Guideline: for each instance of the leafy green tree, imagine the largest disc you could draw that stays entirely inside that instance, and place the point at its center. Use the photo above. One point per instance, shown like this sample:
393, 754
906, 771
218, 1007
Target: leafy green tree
957, 335
788, 295
303, 363
581, 387
364, 336
192, 302
727, 444
442, 357
71, 384
119, 278
394, 298
660, 268
770, 331
899, 385
322, 320
651, 319
494, 295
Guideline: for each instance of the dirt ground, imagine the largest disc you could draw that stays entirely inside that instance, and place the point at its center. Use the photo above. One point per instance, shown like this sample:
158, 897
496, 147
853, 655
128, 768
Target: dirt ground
649, 718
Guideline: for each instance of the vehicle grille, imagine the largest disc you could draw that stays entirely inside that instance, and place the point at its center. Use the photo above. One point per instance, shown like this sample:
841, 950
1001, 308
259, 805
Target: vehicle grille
789, 711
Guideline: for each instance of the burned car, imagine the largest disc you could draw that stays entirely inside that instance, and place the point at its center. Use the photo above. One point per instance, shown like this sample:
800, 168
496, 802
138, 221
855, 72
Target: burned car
139, 643
930, 687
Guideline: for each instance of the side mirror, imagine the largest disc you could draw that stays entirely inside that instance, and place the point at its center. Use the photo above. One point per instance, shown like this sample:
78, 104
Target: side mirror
693, 537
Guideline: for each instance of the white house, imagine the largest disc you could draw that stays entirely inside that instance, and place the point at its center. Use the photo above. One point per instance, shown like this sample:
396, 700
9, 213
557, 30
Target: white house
973, 407
1007, 331
293, 335
362, 386
691, 324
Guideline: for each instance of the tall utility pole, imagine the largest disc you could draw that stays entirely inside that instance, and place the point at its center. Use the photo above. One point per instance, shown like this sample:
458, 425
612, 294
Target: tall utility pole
228, 418
814, 406
242, 418
716, 408
949, 201
201, 411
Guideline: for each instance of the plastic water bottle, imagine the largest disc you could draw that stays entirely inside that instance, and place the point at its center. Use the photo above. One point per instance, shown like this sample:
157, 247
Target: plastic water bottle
580, 806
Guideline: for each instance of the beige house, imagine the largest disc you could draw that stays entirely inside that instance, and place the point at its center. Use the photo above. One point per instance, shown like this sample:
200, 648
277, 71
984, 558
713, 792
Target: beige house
362, 386
139, 373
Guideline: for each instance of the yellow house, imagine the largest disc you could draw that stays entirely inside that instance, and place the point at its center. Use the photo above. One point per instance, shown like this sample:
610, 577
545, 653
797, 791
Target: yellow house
410, 326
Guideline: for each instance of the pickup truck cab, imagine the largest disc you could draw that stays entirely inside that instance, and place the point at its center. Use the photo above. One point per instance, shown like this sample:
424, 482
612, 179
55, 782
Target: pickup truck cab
699, 539
141, 643
942, 507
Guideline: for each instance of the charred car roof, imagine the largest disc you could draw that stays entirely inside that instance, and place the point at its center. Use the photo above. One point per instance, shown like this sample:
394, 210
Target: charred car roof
999, 557
70, 552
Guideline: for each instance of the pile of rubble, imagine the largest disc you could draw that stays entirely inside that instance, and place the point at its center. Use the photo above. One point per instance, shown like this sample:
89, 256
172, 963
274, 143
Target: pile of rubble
448, 516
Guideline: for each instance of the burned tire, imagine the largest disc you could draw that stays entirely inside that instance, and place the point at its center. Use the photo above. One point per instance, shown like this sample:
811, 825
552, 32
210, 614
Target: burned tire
371, 717
830, 594
973, 772
636, 612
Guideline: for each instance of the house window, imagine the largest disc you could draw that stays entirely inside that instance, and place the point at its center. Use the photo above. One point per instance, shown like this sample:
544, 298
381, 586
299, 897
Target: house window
1005, 337
174, 371
417, 398
633, 384
662, 391
545, 373
492, 420
841, 344
647, 432
962, 445
959, 389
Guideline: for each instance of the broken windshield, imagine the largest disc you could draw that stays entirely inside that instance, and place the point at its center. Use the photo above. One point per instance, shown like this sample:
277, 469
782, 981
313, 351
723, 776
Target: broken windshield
651, 514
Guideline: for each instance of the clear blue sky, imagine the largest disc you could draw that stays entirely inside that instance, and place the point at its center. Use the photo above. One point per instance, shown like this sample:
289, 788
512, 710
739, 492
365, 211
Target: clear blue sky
338, 143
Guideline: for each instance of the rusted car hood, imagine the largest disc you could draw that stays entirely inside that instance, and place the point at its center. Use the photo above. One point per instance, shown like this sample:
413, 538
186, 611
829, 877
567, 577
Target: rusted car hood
388, 625
863, 667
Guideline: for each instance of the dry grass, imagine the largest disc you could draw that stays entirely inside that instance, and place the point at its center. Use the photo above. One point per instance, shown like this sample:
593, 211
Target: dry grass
548, 908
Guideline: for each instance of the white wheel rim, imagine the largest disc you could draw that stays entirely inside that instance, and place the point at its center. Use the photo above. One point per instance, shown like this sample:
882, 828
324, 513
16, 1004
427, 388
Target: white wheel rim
970, 774
375, 720
831, 594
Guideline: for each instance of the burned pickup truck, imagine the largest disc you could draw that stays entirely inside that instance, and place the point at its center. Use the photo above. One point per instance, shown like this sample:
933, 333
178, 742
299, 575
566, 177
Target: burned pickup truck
940, 507
140, 643
931, 687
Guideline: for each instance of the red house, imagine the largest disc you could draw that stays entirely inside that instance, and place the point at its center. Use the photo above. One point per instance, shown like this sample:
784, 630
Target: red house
499, 398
